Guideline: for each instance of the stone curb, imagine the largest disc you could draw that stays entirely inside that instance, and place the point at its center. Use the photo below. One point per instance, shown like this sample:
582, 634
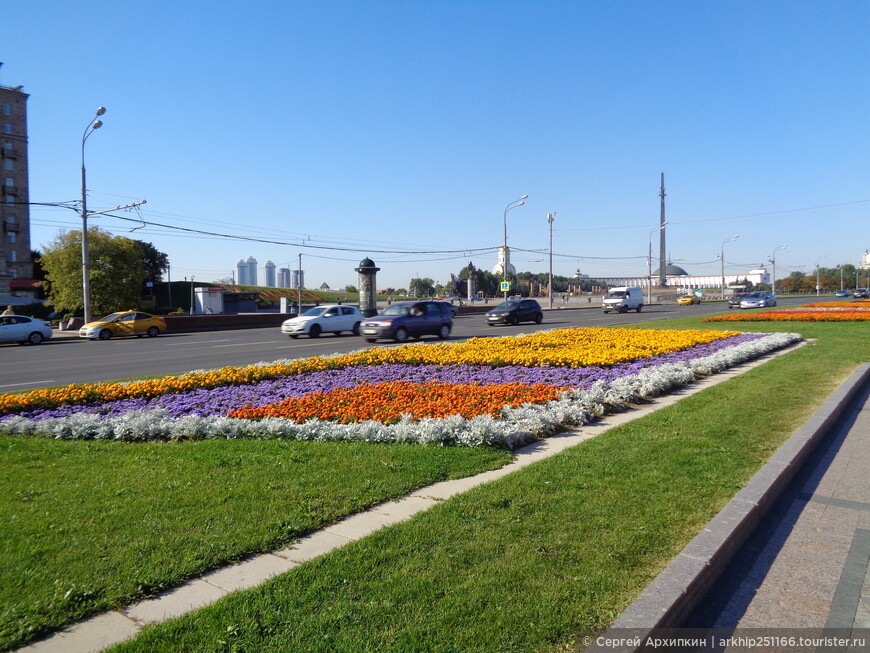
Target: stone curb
680, 588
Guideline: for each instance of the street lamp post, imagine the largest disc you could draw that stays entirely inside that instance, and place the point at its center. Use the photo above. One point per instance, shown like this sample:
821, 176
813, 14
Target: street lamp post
773, 262
550, 218
92, 126
722, 260
649, 263
512, 205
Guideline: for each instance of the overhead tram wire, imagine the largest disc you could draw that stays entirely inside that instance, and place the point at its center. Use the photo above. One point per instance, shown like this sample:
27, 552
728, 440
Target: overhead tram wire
459, 253
466, 251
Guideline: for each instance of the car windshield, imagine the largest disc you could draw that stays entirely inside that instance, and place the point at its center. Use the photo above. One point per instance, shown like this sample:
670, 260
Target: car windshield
508, 305
616, 294
110, 317
314, 312
755, 295
397, 309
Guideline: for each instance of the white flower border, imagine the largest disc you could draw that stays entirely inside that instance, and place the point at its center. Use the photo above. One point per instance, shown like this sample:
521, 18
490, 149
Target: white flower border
515, 426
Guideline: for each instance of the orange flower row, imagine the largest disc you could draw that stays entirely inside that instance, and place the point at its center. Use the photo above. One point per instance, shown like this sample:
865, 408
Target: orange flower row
856, 304
793, 316
388, 402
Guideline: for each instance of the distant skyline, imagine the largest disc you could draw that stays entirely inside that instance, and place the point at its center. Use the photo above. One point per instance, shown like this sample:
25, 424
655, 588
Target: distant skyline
400, 130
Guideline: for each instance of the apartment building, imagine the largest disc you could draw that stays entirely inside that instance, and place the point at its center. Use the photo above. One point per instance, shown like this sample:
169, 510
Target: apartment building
15, 263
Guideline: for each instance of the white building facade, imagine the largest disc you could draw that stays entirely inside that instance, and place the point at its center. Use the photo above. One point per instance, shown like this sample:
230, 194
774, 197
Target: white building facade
688, 282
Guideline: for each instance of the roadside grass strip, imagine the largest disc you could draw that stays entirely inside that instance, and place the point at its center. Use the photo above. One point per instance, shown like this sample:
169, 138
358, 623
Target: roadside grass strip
523, 388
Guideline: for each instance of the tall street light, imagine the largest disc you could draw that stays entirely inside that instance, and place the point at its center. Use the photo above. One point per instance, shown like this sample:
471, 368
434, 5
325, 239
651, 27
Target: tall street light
93, 125
649, 263
550, 218
722, 260
773, 262
818, 266
512, 205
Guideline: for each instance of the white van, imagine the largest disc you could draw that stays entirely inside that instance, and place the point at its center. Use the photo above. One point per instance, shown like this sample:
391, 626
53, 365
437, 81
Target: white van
623, 299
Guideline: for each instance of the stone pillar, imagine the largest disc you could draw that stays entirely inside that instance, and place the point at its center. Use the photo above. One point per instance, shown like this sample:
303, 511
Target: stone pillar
368, 302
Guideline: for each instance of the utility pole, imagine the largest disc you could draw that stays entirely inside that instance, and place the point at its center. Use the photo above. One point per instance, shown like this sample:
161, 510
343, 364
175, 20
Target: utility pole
662, 253
550, 217
299, 288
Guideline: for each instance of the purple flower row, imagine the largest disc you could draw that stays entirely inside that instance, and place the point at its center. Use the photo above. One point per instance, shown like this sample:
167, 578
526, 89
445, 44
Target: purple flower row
218, 401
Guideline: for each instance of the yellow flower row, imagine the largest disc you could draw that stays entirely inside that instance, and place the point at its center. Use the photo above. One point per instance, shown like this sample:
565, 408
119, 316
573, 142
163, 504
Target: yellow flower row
562, 347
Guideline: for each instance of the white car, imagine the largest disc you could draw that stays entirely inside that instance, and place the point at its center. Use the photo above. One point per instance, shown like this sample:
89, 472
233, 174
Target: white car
758, 299
24, 330
333, 318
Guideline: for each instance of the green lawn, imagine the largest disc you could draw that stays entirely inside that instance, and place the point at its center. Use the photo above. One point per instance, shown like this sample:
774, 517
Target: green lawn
89, 526
520, 564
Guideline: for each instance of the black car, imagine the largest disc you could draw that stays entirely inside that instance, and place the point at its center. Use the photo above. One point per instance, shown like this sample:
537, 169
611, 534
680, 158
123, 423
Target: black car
514, 311
404, 320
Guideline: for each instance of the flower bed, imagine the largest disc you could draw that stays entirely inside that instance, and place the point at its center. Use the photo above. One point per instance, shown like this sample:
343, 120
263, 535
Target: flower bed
860, 304
808, 313
496, 391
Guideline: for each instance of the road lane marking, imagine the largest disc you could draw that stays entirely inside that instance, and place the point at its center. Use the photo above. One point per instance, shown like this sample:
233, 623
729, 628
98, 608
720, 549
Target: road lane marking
241, 344
12, 385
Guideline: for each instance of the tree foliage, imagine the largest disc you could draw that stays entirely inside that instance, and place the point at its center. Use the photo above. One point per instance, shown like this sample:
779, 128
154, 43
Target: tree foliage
154, 261
117, 271
424, 287
829, 280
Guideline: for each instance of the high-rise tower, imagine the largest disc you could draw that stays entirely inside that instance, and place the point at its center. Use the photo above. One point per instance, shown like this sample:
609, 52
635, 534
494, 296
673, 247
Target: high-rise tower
15, 260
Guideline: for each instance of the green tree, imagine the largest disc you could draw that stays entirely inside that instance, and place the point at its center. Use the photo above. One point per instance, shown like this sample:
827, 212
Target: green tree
154, 261
424, 287
117, 271
351, 288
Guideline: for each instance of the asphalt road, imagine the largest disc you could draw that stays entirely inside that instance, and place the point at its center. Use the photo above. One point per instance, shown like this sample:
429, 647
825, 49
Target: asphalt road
64, 359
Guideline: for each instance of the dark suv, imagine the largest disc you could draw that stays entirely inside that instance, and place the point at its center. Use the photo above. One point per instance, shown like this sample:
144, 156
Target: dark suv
404, 320
514, 311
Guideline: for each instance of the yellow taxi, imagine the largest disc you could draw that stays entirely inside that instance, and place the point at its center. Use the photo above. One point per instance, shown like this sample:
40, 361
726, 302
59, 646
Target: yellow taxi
125, 323
687, 300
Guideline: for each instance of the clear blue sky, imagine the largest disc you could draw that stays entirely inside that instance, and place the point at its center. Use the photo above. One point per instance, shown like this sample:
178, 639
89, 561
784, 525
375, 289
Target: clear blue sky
408, 126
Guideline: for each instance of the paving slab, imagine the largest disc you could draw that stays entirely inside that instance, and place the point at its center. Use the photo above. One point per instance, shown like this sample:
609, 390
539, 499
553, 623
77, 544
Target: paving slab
94, 634
249, 573
313, 546
176, 602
